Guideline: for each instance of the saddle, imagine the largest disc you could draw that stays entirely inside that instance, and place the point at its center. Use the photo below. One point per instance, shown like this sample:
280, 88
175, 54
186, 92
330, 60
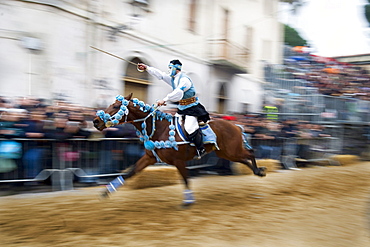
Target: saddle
209, 136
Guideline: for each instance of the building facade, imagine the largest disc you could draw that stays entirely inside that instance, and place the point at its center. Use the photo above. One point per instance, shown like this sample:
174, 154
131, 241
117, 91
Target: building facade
47, 49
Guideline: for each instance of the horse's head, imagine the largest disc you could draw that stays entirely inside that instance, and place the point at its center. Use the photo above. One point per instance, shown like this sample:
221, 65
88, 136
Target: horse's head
114, 114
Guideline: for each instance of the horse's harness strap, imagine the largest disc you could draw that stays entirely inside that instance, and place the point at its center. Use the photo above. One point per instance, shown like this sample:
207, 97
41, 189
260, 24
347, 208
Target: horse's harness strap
145, 118
188, 101
157, 157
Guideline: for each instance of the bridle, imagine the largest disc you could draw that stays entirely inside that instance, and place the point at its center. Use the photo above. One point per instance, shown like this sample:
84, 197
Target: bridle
110, 121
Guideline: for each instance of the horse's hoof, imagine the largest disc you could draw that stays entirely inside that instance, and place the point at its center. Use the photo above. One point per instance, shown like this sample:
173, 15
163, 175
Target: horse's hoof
186, 205
104, 195
261, 171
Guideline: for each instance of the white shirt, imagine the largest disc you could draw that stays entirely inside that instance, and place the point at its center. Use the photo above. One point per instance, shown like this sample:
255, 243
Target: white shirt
181, 86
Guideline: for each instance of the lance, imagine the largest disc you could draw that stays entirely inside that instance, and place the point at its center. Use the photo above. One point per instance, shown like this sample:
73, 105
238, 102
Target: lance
113, 55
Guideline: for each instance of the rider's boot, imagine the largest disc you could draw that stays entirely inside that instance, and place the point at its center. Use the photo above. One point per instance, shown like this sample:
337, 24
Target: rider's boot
197, 138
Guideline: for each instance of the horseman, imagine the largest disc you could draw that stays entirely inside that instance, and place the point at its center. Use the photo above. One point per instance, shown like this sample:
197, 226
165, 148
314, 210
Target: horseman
183, 93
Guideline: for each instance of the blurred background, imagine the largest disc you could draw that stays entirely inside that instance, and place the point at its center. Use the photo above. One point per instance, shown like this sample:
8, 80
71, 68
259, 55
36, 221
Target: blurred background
221, 44
250, 61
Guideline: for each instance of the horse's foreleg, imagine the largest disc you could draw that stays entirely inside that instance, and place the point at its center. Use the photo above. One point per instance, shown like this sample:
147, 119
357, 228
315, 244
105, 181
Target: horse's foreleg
188, 193
143, 162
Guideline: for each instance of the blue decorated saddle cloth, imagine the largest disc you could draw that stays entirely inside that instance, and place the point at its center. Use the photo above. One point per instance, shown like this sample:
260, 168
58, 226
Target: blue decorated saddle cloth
209, 136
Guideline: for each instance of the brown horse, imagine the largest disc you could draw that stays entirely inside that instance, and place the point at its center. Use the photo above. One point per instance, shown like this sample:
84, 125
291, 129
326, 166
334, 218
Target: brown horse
154, 129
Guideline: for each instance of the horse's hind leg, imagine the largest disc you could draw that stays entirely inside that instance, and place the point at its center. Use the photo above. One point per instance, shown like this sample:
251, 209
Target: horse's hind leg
246, 157
259, 171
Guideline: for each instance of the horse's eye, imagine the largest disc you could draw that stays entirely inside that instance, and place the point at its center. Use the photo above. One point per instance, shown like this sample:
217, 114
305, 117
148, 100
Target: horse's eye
116, 107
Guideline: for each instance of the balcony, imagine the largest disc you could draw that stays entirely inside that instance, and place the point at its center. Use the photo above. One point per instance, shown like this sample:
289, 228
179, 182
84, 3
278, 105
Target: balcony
228, 56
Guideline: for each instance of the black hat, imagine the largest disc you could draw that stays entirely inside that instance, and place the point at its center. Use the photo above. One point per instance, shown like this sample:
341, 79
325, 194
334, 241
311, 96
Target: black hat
177, 63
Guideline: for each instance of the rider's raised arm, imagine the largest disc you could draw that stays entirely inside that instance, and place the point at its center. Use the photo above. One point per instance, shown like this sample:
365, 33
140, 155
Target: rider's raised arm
159, 74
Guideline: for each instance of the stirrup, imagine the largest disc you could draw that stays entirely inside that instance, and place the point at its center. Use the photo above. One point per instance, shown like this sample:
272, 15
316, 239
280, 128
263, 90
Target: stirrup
200, 154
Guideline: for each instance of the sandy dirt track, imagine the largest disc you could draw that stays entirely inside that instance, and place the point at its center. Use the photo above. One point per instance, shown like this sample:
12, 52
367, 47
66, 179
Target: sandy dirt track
320, 206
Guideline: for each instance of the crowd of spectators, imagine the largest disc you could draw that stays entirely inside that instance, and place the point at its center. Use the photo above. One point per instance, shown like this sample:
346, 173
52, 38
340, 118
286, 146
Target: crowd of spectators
268, 137
330, 76
27, 123
31, 118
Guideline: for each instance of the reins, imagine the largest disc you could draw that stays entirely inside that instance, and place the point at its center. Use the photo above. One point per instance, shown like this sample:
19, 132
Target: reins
143, 119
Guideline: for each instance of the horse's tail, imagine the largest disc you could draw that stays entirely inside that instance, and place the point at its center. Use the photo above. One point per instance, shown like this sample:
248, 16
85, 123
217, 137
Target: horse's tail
245, 138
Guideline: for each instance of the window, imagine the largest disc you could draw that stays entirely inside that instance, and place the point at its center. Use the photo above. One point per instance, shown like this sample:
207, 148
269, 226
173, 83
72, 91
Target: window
268, 7
192, 15
249, 37
221, 107
136, 82
226, 23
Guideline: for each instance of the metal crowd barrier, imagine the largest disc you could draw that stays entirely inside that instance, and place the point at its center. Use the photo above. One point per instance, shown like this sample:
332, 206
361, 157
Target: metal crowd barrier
60, 163
290, 150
